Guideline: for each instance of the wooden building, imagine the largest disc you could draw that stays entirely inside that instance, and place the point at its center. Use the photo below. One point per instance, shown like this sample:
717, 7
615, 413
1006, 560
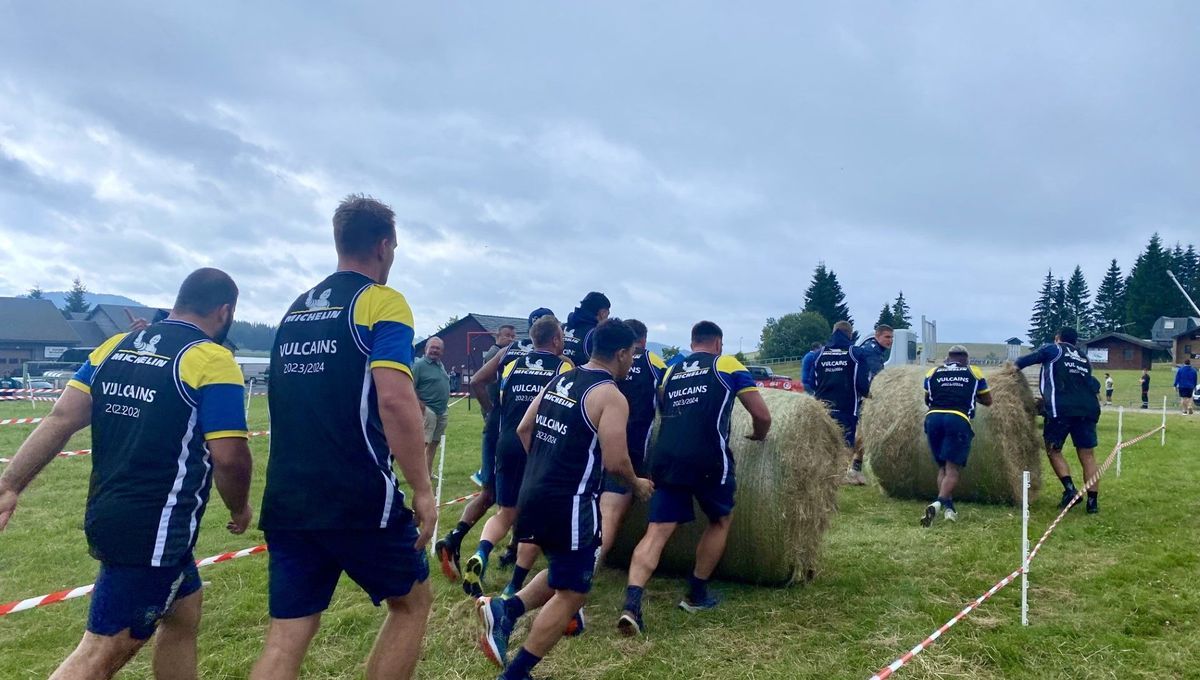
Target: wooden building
468, 338
1117, 351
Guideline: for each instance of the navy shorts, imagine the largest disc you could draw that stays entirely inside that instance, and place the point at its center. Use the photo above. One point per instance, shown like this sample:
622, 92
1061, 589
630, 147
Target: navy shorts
1185, 392
673, 504
572, 569
849, 423
1081, 429
510, 470
487, 455
138, 597
949, 437
614, 484
305, 566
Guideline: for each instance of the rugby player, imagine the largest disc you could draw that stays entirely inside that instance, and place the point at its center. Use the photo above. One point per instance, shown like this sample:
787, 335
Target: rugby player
486, 388
592, 309
166, 406
1185, 382
842, 379
342, 408
874, 352
1072, 404
640, 388
574, 431
693, 459
951, 391
520, 383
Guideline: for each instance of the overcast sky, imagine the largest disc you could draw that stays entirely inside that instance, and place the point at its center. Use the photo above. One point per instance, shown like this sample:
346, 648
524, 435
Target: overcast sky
688, 159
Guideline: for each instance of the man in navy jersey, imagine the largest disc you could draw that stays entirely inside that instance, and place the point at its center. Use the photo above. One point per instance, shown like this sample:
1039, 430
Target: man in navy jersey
951, 391
593, 309
574, 431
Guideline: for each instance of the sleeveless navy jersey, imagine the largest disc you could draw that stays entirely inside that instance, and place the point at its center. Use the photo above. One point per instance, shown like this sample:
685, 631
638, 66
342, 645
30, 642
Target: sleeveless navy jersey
330, 466
640, 388
693, 438
157, 397
953, 388
1067, 385
557, 508
576, 337
523, 378
835, 373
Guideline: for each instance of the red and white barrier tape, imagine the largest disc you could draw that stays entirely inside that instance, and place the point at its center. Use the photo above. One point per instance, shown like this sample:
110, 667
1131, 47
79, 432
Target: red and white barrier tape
72, 593
899, 663
20, 421
84, 452
49, 399
36, 390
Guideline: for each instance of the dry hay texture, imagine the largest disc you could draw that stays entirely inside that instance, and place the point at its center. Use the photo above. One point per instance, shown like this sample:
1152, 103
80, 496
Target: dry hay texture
1006, 439
786, 496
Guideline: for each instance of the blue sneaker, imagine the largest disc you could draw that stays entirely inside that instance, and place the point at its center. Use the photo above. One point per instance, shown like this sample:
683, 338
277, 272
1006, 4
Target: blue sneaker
477, 478
497, 628
630, 624
576, 625
710, 601
473, 576
508, 592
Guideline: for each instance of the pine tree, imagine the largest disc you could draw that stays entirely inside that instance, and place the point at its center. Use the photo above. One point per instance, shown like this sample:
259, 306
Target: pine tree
825, 297
1041, 323
76, 299
1077, 312
1186, 266
885, 317
1149, 293
35, 293
901, 314
1058, 315
1108, 312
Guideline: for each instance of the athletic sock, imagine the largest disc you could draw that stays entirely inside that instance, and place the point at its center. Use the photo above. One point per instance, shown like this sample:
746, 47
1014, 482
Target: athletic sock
458, 533
522, 663
518, 578
1093, 495
484, 550
633, 599
856, 466
514, 608
1068, 485
947, 503
697, 588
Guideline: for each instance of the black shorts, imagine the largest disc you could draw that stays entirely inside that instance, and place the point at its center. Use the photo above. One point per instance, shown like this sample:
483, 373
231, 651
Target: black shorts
572, 569
949, 436
673, 504
510, 469
487, 454
1081, 430
1185, 393
305, 566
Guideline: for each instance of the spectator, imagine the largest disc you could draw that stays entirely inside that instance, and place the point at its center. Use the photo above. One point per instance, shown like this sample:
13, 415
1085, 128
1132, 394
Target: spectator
807, 377
1108, 389
433, 391
1185, 382
1146, 389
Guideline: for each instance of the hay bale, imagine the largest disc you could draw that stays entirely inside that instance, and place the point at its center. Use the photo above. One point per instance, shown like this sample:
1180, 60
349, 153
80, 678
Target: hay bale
786, 496
1006, 439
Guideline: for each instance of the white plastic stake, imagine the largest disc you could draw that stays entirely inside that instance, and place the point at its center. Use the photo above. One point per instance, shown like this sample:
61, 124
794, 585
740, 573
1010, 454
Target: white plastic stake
1025, 548
249, 393
1120, 435
1164, 423
437, 497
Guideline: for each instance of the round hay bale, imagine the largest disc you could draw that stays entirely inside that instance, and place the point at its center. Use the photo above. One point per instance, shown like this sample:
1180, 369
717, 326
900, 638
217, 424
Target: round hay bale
786, 494
1006, 439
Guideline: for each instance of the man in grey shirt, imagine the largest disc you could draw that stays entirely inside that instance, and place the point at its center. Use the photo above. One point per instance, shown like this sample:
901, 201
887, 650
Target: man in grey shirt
433, 390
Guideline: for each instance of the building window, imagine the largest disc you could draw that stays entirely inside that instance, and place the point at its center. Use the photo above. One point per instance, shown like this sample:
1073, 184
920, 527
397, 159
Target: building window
1129, 355
1169, 324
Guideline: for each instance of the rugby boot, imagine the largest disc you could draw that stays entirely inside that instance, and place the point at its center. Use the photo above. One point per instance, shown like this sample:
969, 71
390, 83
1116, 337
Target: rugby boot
497, 628
473, 575
447, 553
630, 624
710, 601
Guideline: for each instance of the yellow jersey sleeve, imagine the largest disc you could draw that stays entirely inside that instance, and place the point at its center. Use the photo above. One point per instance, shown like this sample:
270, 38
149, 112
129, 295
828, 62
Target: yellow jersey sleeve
82, 380
736, 375
384, 322
214, 382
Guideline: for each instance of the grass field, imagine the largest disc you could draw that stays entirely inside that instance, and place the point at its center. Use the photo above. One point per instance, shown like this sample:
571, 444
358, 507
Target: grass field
1111, 597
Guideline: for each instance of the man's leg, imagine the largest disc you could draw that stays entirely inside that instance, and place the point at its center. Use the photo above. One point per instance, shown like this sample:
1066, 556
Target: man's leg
708, 553
175, 644
947, 480
613, 507
287, 643
648, 552
494, 530
546, 631
98, 657
430, 454
1087, 459
398, 645
527, 554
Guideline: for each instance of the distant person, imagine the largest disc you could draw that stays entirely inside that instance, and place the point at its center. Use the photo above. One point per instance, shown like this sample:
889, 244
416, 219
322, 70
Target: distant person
343, 409
806, 368
1145, 389
693, 464
1108, 389
433, 393
841, 379
174, 424
951, 391
592, 309
453, 374
1072, 409
875, 351
1185, 382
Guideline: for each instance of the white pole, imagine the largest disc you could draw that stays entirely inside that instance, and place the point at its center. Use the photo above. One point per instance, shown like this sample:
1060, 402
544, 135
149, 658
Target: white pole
1120, 435
437, 497
1164, 423
1025, 548
249, 393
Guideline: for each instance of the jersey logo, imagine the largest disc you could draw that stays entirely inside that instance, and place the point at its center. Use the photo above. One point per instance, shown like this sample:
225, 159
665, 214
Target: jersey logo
140, 344
534, 364
568, 334
692, 367
563, 389
321, 302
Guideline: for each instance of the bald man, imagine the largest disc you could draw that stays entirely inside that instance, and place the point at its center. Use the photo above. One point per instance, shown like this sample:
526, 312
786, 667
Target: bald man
433, 390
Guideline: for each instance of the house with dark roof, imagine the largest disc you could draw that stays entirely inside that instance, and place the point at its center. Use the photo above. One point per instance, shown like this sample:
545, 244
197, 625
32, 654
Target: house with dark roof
1167, 328
32, 330
468, 338
1116, 351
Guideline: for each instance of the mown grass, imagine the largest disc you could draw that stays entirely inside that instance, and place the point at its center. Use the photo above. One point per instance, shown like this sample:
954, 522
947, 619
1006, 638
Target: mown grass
1111, 595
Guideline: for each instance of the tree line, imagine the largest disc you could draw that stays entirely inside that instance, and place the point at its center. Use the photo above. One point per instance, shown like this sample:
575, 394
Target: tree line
1125, 303
792, 335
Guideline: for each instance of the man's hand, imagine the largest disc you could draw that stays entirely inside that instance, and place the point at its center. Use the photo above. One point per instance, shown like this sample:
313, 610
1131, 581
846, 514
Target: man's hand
8, 505
425, 512
643, 488
240, 521
757, 438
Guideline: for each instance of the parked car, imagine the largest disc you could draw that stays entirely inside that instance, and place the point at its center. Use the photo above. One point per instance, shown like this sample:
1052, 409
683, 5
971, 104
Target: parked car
765, 373
765, 377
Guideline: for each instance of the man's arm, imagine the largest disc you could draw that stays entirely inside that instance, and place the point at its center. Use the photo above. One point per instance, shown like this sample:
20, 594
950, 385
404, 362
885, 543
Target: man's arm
528, 421
232, 470
405, 431
759, 413
1039, 356
613, 418
862, 376
71, 413
486, 376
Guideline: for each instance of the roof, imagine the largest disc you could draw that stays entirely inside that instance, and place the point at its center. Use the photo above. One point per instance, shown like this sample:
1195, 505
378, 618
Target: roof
1180, 325
89, 333
1144, 344
113, 319
26, 320
1014, 341
492, 323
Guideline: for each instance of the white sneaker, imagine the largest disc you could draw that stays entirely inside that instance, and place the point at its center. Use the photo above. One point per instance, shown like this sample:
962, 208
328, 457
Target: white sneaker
951, 515
931, 512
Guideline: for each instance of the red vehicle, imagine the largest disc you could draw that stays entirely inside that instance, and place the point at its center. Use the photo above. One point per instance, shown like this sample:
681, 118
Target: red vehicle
765, 377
